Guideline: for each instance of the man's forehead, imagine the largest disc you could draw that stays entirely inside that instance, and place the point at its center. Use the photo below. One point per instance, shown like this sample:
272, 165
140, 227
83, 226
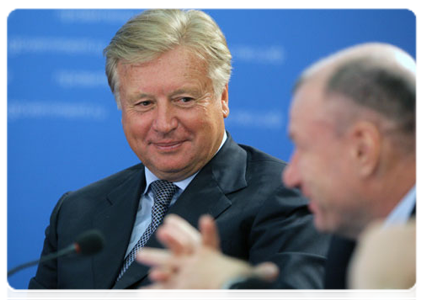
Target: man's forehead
179, 58
301, 112
310, 110
307, 96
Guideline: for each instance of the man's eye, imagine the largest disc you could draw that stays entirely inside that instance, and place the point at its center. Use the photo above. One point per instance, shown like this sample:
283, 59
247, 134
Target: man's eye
186, 99
144, 103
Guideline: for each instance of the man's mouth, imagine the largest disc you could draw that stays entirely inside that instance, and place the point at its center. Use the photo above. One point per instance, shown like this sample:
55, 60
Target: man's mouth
168, 145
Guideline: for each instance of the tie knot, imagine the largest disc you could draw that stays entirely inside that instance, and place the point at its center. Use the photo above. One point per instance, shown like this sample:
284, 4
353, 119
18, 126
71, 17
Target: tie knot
163, 191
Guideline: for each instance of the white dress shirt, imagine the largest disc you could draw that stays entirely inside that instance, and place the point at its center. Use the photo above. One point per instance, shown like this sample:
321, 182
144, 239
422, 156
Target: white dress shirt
402, 212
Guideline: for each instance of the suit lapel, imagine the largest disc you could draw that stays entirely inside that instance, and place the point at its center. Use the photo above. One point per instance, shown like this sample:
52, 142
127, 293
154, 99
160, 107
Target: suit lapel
116, 222
206, 194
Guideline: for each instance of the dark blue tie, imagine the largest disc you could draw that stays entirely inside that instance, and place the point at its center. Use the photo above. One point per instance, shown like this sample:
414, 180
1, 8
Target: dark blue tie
163, 192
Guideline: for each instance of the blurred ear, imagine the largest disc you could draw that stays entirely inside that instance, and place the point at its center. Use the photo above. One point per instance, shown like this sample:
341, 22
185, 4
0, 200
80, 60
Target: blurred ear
366, 142
225, 101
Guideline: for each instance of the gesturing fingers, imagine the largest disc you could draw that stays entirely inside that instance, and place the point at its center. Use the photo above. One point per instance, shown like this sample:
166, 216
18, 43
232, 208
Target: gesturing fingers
209, 232
178, 235
155, 257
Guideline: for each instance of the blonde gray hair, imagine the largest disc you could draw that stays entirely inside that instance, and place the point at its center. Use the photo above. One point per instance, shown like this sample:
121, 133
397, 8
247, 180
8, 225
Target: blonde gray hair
154, 32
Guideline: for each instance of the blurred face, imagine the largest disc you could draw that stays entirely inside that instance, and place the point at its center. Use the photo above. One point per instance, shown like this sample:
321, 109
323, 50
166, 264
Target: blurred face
171, 118
320, 165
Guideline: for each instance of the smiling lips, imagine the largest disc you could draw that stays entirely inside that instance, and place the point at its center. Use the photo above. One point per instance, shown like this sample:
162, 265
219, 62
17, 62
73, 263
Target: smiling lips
167, 146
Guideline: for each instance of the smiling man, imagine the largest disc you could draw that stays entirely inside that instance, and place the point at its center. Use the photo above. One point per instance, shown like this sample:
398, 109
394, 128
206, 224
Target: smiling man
169, 71
170, 115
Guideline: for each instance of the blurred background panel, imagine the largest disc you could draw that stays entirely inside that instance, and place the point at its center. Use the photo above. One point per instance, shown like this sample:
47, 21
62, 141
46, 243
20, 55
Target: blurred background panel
64, 130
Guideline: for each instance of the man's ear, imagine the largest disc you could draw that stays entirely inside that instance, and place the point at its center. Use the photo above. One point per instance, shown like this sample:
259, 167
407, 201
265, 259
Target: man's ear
225, 101
366, 140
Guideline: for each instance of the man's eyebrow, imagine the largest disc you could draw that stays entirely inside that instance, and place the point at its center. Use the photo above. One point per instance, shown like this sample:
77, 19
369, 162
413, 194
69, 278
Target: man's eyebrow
192, 91
140, 96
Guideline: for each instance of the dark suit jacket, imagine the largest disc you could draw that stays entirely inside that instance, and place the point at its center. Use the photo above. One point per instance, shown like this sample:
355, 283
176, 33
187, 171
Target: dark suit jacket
258, 219
340, 253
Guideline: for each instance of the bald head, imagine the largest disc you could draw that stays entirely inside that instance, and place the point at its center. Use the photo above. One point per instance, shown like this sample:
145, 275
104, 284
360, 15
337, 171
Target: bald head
382, 55
374, 76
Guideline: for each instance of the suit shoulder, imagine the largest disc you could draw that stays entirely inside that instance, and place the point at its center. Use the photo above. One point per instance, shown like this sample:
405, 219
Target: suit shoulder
255, 155
107, 184
263, 169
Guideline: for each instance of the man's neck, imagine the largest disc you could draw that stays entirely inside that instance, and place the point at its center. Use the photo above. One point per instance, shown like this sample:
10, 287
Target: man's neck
382, 195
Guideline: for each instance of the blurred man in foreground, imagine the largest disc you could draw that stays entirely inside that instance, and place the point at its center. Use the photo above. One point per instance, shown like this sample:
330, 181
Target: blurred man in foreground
353, 125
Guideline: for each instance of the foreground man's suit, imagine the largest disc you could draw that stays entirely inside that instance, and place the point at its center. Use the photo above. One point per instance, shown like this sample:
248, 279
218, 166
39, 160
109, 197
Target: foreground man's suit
258, 218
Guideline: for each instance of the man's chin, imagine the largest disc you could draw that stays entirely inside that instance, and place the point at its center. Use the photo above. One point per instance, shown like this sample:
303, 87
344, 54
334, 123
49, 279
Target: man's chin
313, 207
321, 224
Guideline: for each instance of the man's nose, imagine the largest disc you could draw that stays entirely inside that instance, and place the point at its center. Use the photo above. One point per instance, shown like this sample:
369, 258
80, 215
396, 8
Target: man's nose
165, 119
290, 175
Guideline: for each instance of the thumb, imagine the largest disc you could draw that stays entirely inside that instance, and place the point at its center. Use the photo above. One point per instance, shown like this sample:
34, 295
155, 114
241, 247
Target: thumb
209, 232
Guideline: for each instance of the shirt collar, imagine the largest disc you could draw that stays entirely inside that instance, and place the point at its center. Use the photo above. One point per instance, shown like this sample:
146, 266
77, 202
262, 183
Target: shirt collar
150, 177
402, 212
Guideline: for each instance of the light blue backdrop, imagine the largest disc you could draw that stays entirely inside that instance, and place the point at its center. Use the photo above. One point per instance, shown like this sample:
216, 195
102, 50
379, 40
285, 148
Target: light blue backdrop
64, 130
